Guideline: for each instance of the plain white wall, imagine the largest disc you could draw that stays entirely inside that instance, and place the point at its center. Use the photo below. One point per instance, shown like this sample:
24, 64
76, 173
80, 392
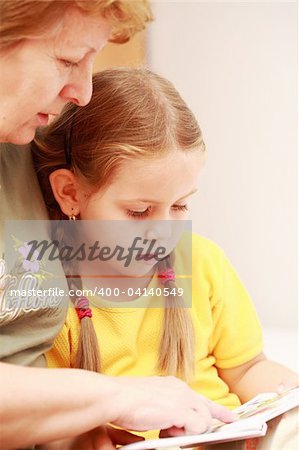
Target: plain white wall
236, 66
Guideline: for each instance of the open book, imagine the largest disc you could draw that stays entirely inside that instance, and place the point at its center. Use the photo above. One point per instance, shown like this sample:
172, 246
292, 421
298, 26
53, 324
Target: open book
252, 418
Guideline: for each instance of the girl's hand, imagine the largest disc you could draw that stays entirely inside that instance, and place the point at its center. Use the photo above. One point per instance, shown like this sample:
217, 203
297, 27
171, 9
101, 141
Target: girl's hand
166, 403
101, 438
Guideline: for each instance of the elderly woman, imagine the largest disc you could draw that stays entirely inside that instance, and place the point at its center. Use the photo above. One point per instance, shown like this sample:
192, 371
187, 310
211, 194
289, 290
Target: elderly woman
47, 49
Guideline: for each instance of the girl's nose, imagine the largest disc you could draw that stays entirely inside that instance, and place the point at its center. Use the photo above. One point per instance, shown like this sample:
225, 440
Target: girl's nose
159, 230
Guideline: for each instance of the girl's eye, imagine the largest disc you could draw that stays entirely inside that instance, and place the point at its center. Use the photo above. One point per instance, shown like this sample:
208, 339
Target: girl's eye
180, 207
138, 214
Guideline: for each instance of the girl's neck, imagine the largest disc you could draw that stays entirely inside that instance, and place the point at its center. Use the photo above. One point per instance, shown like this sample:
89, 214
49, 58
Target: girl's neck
121, 285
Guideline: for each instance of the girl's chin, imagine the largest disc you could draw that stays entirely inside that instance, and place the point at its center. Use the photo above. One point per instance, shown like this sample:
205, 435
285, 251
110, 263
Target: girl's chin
140, 270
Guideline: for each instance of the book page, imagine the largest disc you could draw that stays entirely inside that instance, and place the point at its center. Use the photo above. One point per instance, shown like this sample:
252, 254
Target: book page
260, 409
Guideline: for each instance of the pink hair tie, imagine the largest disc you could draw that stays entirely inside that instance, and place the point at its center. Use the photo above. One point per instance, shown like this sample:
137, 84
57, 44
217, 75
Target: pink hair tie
82, 303
82, 308
84, 313
167, 275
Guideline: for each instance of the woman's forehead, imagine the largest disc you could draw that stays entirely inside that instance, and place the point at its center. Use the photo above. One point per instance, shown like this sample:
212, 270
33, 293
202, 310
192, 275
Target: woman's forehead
81, 31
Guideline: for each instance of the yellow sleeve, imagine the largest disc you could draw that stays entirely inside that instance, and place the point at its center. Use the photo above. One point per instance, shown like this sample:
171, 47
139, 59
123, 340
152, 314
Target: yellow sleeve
61, 353
237, 334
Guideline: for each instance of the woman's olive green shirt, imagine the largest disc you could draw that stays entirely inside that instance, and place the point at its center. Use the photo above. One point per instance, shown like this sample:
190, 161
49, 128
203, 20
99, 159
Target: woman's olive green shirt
25, 333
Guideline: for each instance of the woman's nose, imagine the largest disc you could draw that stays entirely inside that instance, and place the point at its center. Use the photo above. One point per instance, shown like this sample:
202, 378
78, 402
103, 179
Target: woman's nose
79, 90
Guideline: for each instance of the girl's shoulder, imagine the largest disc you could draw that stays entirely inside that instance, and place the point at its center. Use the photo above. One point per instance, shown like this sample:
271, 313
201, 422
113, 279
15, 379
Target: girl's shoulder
201, 257
200, 249
205, 246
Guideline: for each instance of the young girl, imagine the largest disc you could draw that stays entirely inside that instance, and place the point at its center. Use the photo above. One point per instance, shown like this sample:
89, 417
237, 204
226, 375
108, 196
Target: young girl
134, 155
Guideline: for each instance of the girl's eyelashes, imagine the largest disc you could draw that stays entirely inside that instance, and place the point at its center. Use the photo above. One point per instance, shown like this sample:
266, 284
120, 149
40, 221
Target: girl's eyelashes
146, 212
138, 214
180, 207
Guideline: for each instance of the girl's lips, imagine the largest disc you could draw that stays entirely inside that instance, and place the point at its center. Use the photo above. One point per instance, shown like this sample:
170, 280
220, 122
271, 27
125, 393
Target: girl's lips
147, 256
43, 119
149, 260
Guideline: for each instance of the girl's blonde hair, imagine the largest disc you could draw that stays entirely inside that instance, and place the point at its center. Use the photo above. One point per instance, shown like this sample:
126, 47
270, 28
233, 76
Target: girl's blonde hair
21, 19
133, 113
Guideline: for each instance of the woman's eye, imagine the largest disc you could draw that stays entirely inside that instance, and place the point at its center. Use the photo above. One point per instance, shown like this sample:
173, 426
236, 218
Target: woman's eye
68, 63
138, 214
180, 207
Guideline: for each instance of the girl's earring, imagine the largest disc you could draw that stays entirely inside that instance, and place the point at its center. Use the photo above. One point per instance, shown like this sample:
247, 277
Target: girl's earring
72, 216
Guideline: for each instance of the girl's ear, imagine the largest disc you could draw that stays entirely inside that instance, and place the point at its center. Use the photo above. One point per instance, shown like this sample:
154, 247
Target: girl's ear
65, 189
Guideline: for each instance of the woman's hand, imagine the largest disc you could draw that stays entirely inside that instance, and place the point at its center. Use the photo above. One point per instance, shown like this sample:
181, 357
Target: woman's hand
101, 438
76, 401
166, 403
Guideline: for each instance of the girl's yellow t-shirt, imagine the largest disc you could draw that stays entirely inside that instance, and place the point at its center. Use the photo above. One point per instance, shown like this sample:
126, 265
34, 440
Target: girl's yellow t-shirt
227, 330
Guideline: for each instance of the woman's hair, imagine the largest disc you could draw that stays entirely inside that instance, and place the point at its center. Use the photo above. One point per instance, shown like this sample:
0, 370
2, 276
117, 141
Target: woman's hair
133, 113
21, 19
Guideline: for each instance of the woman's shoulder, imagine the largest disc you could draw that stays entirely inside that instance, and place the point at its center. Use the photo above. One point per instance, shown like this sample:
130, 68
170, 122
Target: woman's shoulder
20, 191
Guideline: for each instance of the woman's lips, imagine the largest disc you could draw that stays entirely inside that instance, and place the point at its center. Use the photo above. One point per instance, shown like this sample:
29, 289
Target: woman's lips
43, 119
